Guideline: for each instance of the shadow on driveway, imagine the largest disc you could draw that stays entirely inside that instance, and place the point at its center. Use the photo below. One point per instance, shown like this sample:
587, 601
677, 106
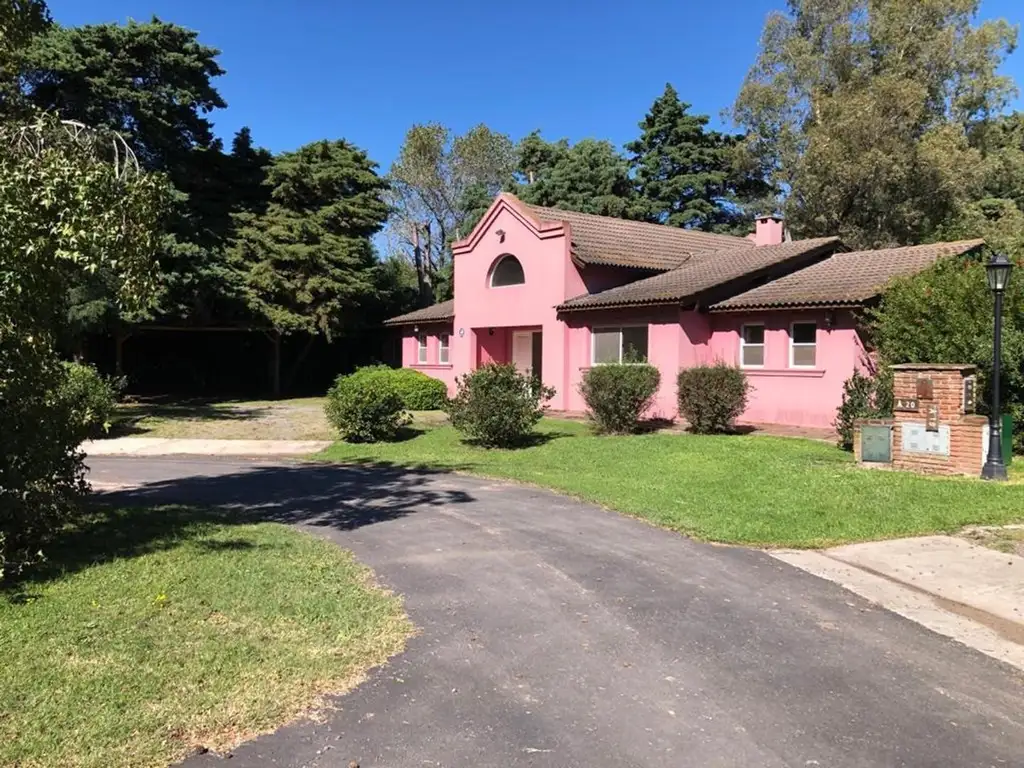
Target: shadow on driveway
341, 498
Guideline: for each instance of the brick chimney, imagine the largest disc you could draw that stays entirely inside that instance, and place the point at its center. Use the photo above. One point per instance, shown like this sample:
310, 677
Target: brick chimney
770, 230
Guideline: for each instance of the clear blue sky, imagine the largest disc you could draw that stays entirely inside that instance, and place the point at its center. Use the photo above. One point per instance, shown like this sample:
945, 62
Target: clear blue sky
365, 70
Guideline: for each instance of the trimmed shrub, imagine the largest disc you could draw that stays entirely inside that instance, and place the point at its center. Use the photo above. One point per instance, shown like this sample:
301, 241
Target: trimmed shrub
712, 397
91, 398
418, 391
864, 397
498, 406
618, 395
365, 406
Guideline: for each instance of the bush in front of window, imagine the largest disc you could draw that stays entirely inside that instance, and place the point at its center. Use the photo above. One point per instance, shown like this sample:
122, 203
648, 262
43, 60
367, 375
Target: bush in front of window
864, 397
365, 406
712, 397
618, 395
497, 406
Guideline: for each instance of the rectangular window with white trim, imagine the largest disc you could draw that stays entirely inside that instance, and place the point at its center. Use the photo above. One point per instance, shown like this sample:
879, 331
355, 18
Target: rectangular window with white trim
619, 345
803, 338
421, 349
443, 342
752, 346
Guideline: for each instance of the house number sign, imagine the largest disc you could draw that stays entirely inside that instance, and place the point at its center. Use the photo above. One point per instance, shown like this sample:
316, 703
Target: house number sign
905, 404
969, 394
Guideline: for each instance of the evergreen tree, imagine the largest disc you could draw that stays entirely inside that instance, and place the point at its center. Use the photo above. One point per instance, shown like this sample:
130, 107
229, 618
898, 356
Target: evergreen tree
307, 264
687, 176
589, 176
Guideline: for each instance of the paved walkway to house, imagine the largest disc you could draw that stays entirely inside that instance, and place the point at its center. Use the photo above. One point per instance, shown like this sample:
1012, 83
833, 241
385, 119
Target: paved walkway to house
554, 633
950, 585
170, 446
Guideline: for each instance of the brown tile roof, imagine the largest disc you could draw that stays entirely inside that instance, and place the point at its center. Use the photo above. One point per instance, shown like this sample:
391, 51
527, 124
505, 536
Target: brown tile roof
704, 271
846, 279
436, 313
622, 243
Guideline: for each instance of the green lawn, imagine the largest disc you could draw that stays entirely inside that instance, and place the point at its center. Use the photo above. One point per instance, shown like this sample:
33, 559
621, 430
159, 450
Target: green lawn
754, 489
155, 631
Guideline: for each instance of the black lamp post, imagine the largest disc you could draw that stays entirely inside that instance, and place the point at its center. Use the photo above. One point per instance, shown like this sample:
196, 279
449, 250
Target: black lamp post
998, 274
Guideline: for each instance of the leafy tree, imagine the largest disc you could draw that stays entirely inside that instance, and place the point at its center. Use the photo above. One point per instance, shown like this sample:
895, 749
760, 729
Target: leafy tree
944, 315
436, 186
72, 202
686, 175
152, 83
589, 176
307, 263
20, 22
860, 110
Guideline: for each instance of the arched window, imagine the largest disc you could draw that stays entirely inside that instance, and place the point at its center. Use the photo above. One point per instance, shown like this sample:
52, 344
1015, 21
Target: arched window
508, 271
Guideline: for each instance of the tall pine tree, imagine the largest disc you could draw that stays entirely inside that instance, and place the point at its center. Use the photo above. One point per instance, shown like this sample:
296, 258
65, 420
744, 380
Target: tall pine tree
687, 176
307, 263
589, 176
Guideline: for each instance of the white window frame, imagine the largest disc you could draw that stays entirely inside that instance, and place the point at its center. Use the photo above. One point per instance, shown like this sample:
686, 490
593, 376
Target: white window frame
421, 349
605, 328
501, 259
793, 344
444, 341
763, 345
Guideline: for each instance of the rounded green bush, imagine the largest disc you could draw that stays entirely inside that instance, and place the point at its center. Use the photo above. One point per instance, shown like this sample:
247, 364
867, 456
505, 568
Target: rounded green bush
418, 391
618, 395
365, 406
91, 398
498, 406
712, 397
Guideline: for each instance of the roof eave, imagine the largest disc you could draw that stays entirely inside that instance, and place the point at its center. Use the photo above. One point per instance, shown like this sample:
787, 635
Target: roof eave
777, 307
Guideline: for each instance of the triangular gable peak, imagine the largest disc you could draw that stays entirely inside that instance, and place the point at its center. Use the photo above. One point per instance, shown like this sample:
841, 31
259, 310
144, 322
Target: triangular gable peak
510, 203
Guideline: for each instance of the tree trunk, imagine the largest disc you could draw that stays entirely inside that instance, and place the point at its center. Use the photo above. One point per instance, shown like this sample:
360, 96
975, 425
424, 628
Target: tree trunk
275, 370
294, 370
120, 336
424, 278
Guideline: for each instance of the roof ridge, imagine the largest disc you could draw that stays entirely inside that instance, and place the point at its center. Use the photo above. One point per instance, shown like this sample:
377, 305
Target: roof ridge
659, 227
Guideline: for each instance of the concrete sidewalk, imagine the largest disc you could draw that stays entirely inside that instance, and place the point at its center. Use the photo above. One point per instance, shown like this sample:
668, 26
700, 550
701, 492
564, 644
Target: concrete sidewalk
958, 589
165, 446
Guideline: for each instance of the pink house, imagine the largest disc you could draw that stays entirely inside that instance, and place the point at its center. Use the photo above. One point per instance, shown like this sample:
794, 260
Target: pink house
556, 292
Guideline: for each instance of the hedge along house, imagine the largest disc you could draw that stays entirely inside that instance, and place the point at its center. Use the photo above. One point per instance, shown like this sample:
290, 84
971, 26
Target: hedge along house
557, 292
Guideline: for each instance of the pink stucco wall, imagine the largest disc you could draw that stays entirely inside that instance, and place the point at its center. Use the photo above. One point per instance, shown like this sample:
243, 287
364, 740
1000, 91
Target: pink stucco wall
485, 318
781, 394
551, 277
433, 366
664, 345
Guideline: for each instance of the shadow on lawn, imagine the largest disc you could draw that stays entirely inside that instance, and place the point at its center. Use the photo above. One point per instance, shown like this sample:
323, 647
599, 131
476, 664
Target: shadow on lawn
128, 417
333, 497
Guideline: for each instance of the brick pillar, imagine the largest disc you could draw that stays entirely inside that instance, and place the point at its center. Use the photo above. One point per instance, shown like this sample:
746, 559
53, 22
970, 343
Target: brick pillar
935, 429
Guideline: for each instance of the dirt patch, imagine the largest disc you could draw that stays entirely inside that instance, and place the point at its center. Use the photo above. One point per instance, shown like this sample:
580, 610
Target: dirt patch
300, 419
1007, 538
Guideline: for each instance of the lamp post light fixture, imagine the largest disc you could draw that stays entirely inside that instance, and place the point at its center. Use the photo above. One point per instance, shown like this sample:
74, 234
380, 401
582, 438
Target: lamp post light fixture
998, 274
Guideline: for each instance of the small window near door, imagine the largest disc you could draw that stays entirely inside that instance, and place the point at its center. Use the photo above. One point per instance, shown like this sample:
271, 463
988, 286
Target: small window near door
619, 345
803, 345
442, 348
752, 346
421, 349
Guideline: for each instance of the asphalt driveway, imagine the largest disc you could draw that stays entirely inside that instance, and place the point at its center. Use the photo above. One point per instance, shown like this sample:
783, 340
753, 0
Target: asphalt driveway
554, 633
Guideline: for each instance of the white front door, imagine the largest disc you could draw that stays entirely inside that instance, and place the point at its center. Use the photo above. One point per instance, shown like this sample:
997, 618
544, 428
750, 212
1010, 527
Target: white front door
522, 351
